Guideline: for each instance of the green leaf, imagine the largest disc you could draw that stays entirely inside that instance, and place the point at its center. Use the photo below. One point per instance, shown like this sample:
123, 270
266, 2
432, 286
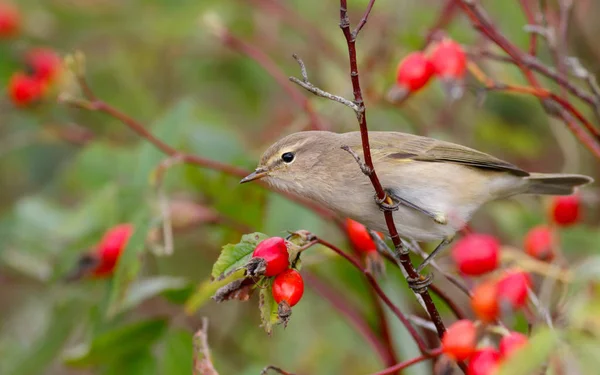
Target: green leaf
116, 344
177, 353
207, 289
142, 290
129, 262
268, 308
533, 355
234, 256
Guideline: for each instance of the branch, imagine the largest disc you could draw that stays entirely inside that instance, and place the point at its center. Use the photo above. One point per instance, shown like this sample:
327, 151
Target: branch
380, 193
375, 285
481, 22
268, 65
402, 365
94, 104
351, 314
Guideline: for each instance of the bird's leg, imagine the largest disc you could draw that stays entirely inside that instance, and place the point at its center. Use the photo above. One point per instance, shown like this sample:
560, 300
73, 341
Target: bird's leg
436, 251
398, 200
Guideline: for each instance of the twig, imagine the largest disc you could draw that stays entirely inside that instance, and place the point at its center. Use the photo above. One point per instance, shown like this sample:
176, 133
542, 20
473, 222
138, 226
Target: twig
380, 193
351, 314
94, 104
401, 366
202, 360
375, 285
317, 91
273, 70
363, 20
446, 15
531, 21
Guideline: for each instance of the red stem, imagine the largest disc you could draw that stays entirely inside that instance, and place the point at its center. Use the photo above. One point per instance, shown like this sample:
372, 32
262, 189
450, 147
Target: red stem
273, 70
533, 37
375, 285
402, 365
364, 133
351, 313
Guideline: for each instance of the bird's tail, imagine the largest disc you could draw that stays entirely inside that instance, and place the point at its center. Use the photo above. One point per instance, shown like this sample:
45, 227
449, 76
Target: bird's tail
555, 183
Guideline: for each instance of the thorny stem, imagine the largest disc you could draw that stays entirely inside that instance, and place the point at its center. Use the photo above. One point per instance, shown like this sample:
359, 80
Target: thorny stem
381, 195
533, 37
202, 359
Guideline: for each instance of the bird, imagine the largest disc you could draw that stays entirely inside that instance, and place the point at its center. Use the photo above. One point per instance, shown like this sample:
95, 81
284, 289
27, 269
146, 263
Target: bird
437, 185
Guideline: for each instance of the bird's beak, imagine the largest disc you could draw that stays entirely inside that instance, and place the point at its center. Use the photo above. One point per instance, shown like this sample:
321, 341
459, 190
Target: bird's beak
257, 174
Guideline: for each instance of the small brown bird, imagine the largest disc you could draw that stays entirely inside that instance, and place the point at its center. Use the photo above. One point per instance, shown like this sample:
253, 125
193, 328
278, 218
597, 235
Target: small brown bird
438, 185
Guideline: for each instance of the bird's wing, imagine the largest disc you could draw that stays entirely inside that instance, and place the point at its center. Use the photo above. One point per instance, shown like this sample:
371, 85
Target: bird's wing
411, 147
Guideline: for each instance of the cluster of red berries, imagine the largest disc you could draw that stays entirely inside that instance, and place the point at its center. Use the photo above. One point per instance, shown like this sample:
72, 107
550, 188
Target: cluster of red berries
42, 65
460, 344
271, 258
445, 59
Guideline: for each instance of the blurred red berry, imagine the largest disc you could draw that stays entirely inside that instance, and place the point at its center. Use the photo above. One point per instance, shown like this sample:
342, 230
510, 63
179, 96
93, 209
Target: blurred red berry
110, 248
44, 63
10, 20
23, 89
511, 343
540, 243
449, 60
512, 289
274, 252
476, 254
412, 74
288, 286
484, 301
359, 235
484, 362
566, 210
459, 340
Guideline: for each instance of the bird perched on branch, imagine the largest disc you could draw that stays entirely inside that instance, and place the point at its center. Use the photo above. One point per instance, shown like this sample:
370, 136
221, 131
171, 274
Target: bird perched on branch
435, 186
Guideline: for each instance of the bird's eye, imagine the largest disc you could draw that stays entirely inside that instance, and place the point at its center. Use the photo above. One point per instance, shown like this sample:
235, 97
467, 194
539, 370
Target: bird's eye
287, 157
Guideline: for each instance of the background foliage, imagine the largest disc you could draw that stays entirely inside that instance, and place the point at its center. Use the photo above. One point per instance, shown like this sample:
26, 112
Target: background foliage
158, 61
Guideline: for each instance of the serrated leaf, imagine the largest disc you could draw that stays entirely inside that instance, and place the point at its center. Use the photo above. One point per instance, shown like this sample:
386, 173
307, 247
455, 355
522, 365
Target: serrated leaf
118, 343
268, 308
533, 355
234, 256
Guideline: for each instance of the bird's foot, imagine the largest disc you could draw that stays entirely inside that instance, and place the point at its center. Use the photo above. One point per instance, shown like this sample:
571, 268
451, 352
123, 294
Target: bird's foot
420, 284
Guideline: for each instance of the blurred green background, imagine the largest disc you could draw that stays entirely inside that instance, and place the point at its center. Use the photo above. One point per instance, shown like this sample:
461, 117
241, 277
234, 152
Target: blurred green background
67, 175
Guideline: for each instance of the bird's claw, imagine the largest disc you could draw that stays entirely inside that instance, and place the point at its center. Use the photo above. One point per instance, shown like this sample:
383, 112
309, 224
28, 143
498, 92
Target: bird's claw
421, 283
384, 204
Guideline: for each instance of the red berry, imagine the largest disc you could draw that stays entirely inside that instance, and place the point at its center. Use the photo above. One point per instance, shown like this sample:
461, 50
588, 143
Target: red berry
10, 20
459, 340
476, 254
566, 210
274, 251
512, 289
23, 89
288, 286
111, 246
413, 72
449, 60
359, 235
484, 362
484, 301
511, 343
540, 243
44, 62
